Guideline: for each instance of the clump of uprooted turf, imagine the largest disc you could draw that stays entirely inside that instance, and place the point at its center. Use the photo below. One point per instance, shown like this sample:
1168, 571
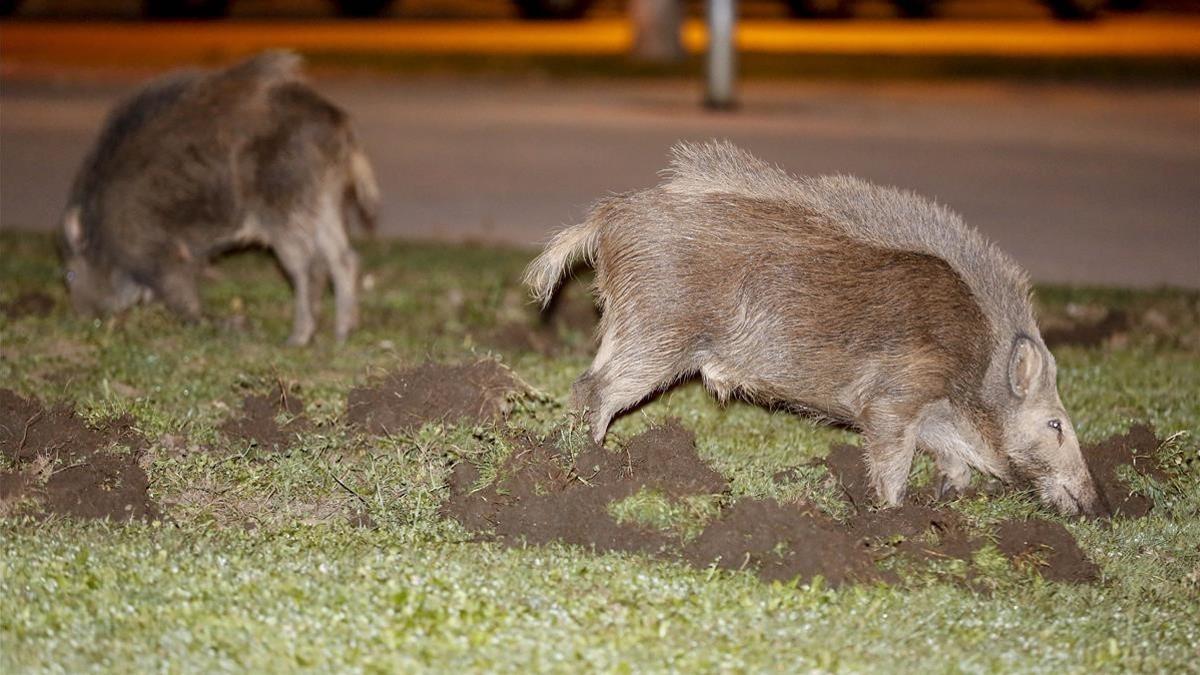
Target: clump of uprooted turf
571, 311
406, 399
32, 303
59, 465
258, 425
1134, 449
541, 495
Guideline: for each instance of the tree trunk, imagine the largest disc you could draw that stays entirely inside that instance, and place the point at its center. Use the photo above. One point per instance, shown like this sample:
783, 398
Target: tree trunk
656, 30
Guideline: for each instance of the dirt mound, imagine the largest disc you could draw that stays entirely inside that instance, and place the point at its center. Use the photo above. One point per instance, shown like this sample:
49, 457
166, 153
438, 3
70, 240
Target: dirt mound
916, 529
519, 338
33, 303
1048, 547
404, 400
1105, 459
571, 310
60, 465
1167, 318
1085, 333
541, 497
846, 464
1135, 449
782, 542
258, 424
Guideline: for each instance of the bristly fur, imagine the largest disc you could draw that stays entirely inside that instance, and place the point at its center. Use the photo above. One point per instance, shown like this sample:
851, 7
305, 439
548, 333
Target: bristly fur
861, 303
881, 216
197, 162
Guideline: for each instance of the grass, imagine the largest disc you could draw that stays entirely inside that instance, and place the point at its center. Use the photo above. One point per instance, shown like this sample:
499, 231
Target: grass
257, 567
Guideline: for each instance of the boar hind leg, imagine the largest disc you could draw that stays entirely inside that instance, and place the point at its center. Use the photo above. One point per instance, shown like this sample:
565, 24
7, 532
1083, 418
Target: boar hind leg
617, 380
296, 260
334, 247
318, 279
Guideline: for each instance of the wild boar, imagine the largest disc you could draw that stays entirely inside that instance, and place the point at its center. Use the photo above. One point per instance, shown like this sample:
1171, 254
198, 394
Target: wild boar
196, 163
862, 304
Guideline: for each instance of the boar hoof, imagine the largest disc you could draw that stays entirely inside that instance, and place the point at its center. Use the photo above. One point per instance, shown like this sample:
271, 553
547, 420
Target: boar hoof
944, 488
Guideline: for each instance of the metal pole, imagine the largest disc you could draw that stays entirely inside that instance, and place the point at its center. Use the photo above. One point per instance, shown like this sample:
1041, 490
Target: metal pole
722, 60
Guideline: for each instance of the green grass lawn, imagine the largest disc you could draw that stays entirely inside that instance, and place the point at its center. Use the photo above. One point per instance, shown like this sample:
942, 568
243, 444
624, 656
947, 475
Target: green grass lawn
258, 563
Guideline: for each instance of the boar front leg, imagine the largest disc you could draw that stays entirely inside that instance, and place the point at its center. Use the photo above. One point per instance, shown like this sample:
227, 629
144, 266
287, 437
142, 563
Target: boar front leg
956, 446
177, 289
296, 260
954, 477
891, 444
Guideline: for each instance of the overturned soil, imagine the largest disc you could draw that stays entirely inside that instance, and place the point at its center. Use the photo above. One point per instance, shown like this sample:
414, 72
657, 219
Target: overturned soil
540, 496
920, 530
1047, 547
33, 303
258, 425
1135, 450
406, 399
56, 464
571, 311
1168, 319
1087, 333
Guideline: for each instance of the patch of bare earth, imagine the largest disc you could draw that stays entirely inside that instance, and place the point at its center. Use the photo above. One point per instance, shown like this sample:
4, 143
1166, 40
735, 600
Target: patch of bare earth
1135, 450
1086, 332
33, 303
59, 465
258, 424
782, 542
571, 311
541, 496
404, 400
1046, 547
919, 529
1172, 321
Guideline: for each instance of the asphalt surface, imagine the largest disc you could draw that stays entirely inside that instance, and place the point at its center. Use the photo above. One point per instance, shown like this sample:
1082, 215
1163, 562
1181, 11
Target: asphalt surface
1083, 185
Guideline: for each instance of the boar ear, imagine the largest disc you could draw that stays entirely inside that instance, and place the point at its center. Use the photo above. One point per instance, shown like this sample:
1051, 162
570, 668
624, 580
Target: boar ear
1024, 366
73, 230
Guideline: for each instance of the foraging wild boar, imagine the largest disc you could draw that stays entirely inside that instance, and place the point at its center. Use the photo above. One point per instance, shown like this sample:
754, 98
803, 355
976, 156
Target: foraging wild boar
196, 163
863, 304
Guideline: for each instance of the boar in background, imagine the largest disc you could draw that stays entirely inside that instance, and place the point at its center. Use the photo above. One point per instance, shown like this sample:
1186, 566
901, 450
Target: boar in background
196, 163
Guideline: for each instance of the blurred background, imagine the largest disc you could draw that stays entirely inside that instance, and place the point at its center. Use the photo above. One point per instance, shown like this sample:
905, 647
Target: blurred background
1066, 130
577, 9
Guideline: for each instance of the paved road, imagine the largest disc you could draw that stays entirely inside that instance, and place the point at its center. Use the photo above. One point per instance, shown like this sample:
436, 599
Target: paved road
1086, 185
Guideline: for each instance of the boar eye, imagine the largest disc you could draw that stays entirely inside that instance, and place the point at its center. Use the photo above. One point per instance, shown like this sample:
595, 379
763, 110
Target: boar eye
70, 276
1056, 425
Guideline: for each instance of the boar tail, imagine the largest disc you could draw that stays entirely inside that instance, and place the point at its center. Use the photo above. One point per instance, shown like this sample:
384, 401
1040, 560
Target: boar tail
363, 193
575, 243
267, 69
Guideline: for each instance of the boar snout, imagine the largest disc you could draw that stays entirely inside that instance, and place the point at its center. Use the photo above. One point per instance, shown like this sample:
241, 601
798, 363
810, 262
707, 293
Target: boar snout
1076, 495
